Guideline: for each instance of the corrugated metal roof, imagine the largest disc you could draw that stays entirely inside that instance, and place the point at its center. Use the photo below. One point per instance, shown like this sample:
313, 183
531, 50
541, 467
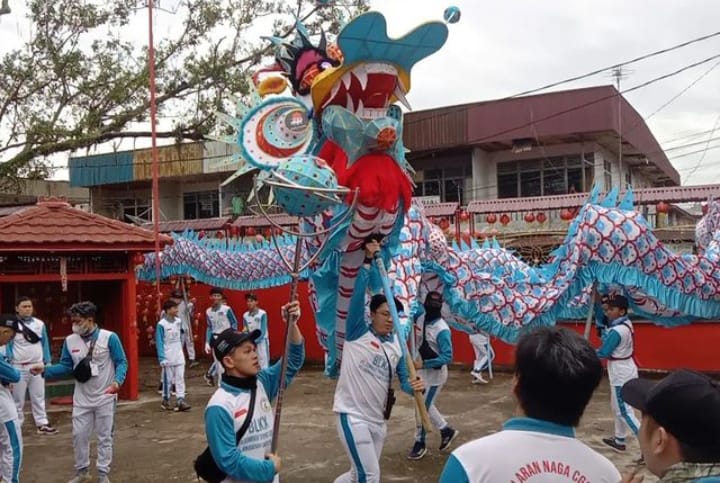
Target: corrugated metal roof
100, 169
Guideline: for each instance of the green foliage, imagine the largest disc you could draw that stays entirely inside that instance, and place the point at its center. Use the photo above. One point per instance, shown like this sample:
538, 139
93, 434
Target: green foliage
82, 79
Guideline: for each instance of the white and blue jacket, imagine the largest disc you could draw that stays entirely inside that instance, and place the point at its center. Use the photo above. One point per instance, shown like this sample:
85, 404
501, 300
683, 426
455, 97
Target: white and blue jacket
219, 319
108, 357
363, 382
8, 375
618, 348
528, 449
225, 414
168, 342
256, 320
21, 352
437, 334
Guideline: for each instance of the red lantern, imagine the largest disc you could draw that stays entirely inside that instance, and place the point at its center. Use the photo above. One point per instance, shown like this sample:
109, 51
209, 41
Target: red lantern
250, 231
566, 214
662, 207
704, 208
464, 216
504, 219
138, 259
234, 231
201, 235
219, 235
541, 218
259, 238
529, 217
277, 231
444, 224
267, 232
491, 218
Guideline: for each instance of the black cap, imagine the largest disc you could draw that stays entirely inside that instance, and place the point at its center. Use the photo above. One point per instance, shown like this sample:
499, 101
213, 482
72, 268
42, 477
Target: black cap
9, 320
686, 403
224, 342
83, 309
176, 294
434, 300
617, 301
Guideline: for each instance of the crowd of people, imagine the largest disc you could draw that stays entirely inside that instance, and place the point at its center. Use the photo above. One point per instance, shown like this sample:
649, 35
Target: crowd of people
556, 374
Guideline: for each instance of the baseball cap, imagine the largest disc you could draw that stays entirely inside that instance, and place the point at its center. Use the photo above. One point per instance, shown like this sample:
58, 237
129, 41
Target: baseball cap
434, 299
228, 339
617, 301
686, 403
9, 320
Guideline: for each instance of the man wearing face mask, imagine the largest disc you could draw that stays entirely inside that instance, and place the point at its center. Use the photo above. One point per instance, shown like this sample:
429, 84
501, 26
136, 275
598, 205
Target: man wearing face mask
96, 359
435, 350
31, 346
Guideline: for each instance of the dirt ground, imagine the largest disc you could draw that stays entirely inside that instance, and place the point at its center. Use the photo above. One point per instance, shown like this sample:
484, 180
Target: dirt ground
156, 446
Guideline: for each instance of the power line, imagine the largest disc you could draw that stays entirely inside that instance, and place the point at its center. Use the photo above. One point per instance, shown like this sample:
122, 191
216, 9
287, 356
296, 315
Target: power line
616, 66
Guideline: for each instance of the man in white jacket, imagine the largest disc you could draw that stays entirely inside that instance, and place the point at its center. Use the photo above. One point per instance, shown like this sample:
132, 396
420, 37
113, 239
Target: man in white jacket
29, 347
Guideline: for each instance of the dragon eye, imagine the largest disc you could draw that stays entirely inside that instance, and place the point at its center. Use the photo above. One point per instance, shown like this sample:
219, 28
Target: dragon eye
324, 65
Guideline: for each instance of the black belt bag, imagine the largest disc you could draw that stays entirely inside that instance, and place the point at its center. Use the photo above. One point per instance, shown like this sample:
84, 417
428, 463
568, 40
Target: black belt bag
426, 352
390, 401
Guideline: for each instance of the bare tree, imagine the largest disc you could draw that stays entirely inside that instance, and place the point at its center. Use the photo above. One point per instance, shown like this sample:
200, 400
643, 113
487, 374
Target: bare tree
81, 80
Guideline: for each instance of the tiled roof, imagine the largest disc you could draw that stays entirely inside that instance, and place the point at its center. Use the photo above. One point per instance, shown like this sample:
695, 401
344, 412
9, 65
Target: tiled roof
177, 226
257, 220
53, 225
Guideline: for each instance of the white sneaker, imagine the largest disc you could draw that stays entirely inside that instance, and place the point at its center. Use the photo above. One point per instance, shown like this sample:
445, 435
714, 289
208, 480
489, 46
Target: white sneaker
82, 477
477, 378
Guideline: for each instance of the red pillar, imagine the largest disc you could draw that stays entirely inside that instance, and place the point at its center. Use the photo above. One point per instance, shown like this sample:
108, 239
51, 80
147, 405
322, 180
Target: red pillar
129, 336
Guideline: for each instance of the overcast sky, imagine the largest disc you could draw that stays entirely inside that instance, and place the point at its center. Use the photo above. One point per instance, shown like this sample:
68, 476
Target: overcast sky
502, 48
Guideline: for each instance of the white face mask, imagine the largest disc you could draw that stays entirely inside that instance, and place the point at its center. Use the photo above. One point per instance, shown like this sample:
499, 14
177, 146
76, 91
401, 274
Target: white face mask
79, 330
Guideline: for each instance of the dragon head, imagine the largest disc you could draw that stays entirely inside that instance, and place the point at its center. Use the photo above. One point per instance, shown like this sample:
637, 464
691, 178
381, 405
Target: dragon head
365, 71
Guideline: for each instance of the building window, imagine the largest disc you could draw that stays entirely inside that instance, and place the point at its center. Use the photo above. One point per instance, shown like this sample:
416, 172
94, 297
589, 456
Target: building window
447, 183
133, 208
202, 204
545, 177
628, 179
607, 168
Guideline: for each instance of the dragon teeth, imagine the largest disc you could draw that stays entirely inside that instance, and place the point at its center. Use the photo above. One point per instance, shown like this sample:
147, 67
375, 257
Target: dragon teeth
400, 95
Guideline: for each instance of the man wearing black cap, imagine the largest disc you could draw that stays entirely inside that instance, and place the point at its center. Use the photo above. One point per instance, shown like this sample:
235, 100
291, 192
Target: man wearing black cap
618, 348
239, 417
435, 350
680, 430
11, 446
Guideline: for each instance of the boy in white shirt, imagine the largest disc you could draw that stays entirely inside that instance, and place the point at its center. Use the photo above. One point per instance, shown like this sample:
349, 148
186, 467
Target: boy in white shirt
168, 341
556, 373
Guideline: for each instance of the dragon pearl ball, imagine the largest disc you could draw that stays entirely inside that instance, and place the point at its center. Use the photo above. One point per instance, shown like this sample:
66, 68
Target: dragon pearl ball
304, 172
451, 15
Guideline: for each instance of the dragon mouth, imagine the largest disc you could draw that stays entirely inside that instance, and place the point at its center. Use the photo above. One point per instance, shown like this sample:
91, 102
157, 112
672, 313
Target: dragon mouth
367, 90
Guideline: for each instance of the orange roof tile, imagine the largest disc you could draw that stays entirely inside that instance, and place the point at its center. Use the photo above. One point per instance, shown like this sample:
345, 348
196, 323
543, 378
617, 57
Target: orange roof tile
53, 225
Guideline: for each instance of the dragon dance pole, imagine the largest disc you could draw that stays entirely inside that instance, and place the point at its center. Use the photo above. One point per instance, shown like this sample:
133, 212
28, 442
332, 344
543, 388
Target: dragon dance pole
591, 310
419, 401
294, 276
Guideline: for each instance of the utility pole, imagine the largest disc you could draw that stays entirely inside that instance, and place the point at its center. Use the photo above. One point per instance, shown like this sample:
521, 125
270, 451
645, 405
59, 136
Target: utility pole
153, 151
618, 73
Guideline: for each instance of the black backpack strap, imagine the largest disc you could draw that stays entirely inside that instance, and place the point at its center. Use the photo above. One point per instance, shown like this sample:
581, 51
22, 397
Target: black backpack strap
248, 419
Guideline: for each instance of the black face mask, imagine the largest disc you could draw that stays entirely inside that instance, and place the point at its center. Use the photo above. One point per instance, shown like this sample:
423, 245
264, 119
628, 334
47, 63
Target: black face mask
432, 313
240, 382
